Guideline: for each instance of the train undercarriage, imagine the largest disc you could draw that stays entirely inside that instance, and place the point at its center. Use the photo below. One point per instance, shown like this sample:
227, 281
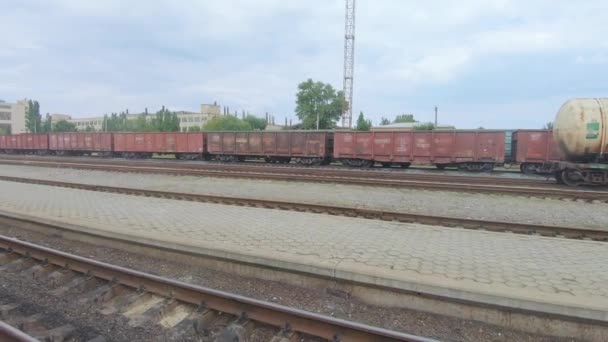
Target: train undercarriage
575, 174
465, 166
535, 168
310, 161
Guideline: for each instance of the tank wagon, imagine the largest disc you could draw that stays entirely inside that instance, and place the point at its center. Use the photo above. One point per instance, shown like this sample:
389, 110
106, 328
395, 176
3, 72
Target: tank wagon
78, 144
304, 147
581, 131
468, 150
188, 146
533, 149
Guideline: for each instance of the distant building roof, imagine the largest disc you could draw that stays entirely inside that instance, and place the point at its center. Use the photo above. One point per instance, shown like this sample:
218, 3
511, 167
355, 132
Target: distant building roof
399, 125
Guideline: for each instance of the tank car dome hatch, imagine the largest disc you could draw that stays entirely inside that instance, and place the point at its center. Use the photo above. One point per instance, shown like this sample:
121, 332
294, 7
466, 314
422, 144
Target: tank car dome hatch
581, 129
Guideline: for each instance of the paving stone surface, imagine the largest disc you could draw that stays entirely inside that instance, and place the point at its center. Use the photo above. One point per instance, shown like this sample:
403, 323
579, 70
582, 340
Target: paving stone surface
551, 270
466, 205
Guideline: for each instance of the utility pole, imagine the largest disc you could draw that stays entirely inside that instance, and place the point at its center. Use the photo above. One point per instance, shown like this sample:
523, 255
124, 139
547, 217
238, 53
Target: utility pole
436, 110
349, 64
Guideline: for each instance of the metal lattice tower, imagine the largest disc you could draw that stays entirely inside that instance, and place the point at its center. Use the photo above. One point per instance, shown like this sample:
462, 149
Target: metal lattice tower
349, 64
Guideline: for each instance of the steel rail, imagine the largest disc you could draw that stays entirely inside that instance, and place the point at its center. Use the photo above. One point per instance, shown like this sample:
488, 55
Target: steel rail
11, 334
374, 214
256, 310
541, 192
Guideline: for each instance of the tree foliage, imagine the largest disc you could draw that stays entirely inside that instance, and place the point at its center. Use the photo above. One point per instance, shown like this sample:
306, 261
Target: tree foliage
548, 125
47, 124
362, 124
64, 126
384, 121
165, 121
194, 129
5, 130
424, 126
32, 117
318, 100
258, 124
404, 118
226, 123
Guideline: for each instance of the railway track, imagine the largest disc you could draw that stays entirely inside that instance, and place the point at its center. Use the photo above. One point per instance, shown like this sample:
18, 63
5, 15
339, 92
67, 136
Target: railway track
390, 173
490, 185
184, 311
444, 221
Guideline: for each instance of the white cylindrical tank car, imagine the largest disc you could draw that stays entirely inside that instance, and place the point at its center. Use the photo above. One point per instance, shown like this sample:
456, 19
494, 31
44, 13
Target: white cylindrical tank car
581, 130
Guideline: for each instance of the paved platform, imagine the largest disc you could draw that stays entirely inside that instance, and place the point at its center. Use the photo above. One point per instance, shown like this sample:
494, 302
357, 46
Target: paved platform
561, 276
444, 203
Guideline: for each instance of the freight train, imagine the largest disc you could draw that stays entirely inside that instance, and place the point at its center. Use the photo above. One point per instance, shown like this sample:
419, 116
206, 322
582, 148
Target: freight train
576, 152
477, 150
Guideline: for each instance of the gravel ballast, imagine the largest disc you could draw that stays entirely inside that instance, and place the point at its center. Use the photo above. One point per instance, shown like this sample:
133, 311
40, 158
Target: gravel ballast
327, 302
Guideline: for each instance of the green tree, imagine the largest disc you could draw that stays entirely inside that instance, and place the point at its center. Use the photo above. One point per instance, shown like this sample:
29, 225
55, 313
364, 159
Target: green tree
111, 123
226, 123
64, 126
425, 126
194, 129
404, 118
165, 121
32, 117
384, 121
549, 126
318, 105
89, 129
5, 130
362, 124
258, 124
47, 124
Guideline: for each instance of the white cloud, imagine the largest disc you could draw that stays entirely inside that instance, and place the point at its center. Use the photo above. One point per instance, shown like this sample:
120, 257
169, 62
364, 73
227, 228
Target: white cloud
88, 57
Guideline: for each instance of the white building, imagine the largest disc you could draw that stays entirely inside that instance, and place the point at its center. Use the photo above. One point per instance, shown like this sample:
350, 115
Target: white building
186, 119
12, 116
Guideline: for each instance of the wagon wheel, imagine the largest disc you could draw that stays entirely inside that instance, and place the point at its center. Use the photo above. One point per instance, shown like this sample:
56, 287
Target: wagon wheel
405, 165
527, 168
440, 166
571, 177
385, 165
558, 178
487, 167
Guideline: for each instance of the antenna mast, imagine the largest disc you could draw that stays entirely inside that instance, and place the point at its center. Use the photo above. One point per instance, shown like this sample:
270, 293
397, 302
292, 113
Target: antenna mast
349, 64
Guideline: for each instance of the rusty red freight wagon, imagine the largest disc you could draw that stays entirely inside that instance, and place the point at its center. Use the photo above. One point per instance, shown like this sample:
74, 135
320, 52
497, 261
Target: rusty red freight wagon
25, 143
305, 147
81, 143
189, 145
534, 148
472, 150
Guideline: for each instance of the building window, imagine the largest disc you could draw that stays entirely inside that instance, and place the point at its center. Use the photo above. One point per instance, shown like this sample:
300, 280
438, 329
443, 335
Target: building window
197, 119
5, 115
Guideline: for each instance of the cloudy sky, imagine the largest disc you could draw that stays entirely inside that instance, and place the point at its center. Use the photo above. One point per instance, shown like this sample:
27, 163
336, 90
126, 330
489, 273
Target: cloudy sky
496, 64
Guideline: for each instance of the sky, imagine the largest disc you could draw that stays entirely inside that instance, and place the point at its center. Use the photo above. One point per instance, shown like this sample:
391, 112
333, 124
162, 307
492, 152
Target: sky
494, 64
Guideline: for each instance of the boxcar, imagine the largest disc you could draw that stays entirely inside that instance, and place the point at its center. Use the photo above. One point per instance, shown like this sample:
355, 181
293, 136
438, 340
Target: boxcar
309, 148
28, 143
143, 145
468, 150
534, 148
81, 143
